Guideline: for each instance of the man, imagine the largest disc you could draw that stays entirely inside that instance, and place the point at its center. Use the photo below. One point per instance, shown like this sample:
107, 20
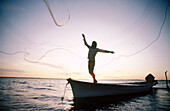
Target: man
91, 56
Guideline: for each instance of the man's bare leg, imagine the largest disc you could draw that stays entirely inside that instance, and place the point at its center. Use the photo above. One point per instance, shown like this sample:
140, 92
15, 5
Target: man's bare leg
91, 68
94, 79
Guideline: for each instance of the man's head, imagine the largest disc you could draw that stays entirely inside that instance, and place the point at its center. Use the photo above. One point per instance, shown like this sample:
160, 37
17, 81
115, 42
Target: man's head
94, 44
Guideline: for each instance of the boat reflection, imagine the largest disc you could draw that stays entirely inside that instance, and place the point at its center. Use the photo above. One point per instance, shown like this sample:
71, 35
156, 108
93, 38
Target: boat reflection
92, 103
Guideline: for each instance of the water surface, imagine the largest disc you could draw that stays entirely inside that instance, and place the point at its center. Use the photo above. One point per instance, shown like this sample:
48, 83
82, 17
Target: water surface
45, 94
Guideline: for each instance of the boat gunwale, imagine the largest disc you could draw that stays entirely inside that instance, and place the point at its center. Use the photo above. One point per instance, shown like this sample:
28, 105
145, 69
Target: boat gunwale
113, 85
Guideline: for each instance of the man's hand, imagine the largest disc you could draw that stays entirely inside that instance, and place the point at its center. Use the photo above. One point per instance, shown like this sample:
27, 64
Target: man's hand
112, 52
84, 39
83, 36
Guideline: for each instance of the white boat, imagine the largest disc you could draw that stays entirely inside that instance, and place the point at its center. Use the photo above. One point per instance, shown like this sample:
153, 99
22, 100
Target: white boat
86, 89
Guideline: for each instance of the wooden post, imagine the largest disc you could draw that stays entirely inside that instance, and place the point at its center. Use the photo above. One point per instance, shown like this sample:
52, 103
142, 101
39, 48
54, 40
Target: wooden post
166, 80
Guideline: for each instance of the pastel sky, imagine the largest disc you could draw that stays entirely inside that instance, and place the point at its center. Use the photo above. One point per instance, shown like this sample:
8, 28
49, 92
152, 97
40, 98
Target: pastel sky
122, 26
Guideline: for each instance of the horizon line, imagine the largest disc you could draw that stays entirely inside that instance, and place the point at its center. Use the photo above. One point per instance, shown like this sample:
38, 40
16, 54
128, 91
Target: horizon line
68, 78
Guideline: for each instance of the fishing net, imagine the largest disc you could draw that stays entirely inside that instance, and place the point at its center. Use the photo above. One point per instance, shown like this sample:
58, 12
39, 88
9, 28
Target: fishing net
48, 33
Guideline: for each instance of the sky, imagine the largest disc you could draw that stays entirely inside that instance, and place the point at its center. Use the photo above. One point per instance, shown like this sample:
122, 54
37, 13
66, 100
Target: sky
122, 26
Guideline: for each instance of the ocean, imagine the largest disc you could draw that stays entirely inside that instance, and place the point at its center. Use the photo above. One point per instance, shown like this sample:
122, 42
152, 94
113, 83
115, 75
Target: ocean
22, 94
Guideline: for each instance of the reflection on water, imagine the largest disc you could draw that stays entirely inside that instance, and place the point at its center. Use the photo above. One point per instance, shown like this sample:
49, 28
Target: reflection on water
45, 94
111, 102
156, 100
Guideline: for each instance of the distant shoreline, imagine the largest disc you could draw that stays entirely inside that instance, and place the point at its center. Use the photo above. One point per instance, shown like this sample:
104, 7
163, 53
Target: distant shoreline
31, 78
79, 79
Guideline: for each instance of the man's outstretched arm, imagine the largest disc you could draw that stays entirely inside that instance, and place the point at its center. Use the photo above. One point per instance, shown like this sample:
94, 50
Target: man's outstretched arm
85, 41
106, 51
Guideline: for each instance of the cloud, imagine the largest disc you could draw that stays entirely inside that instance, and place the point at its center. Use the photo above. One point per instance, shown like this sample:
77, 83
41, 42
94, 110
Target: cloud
4, 71
51, 65
2, 63
77, 73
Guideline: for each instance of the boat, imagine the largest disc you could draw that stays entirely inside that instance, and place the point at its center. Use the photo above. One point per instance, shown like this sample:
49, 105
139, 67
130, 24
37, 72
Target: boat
83, 89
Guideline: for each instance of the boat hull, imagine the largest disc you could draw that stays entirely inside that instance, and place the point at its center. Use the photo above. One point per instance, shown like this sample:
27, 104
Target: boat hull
86, 89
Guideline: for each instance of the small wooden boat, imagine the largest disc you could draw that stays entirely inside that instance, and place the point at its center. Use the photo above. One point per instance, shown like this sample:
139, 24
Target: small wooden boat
86, 89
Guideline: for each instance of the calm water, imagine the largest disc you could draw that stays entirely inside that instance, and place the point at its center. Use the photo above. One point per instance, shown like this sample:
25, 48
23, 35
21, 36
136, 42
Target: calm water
45, 94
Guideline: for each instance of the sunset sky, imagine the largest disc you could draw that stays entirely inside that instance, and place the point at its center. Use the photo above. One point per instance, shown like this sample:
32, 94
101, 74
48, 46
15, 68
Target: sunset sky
122, 26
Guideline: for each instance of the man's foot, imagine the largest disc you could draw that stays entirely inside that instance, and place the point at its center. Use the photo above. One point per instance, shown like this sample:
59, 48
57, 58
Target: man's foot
95, 81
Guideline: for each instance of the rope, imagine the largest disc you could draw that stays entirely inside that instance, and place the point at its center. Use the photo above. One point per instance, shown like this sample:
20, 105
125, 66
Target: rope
159, 34
62, 98
46, 54
19, 52
38, 61
49, 9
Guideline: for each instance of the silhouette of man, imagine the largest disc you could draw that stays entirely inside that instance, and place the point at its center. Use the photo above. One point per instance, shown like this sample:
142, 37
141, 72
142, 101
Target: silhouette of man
91, 56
